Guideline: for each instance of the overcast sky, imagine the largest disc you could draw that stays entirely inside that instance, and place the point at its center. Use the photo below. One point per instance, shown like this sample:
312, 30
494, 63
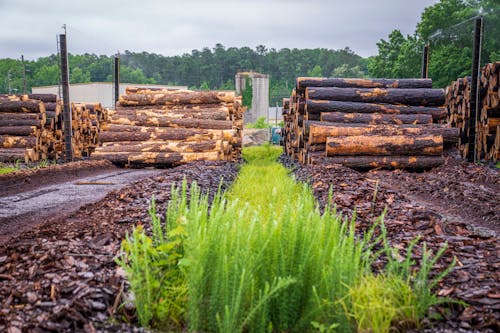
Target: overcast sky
168, 27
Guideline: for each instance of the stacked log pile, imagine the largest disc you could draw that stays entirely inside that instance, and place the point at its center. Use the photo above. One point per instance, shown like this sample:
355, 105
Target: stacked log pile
364, 123
160, 127
487, 141
31, 127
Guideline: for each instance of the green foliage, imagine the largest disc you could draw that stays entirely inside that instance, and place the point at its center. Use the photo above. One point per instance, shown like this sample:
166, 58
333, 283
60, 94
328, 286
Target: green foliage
4, 170
261, 122
346, 71
262, 258
447, 26
247, 93
315, 72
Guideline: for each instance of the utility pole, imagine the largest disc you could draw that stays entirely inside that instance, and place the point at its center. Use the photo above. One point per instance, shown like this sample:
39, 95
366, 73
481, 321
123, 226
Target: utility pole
24, 74
117, 77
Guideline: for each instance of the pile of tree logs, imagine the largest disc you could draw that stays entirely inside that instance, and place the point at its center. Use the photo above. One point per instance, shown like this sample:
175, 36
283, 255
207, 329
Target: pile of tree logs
487, 140
367, 123
31, 127
160, 127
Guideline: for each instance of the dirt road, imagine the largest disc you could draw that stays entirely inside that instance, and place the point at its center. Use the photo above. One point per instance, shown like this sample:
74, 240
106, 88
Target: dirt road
26, 209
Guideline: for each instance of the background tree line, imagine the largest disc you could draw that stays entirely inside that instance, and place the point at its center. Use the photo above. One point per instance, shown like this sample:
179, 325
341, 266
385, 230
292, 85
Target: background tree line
201, 69
448, 28
447, 25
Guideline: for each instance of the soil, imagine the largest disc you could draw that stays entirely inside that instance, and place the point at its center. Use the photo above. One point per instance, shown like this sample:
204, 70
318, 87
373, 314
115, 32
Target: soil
61, 276
457, 204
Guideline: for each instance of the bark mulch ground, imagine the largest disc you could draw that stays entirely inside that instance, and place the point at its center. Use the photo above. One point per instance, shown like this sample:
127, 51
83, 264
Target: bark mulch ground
457, 203
62, 277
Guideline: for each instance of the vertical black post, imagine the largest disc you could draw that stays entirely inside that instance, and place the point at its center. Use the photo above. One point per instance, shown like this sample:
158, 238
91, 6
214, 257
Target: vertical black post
24, 74
68, 131
425, 62
117, 78
474, 92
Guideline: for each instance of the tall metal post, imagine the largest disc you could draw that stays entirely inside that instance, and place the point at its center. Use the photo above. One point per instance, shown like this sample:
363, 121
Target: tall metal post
68, 131
474, 91
425, 62
117, 78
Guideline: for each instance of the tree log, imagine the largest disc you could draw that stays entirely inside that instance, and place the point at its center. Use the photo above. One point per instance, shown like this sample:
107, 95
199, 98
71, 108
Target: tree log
155, 159
7, 141
317, 132
228, 107
385, 162
303, 82
21, 106
21, 122
19, 131
165, 121
177, 97
46, 98
12, 154
416, 97
149, 90
376, 118
162, 146
319, 106
205, 114
384, 145
139, 133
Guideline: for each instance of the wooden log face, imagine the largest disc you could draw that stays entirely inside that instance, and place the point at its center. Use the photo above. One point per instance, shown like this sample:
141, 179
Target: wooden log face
303, 82
376, 118
415, 97
384, 145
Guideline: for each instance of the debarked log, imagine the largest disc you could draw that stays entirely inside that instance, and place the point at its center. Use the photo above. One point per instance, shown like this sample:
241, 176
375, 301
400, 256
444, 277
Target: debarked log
384, 145
416, 97
383, 162
320, 106
317, 132
376, 118
166, 121
155, 158
303, 82
7, 141
177, 97
162, 146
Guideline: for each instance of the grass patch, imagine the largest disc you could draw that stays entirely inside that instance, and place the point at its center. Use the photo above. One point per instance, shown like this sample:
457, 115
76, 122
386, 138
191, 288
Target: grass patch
263, 258
4, 170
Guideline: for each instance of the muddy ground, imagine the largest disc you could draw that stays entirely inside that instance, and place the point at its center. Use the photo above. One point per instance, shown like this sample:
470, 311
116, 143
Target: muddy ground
61, 275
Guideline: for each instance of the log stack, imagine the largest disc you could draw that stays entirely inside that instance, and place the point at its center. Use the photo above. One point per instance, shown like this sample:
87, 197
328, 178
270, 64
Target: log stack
31, 127
164, 128
367, 123
487, 141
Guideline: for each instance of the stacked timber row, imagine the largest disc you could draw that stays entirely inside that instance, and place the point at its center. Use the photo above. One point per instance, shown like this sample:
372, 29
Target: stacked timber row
159, 127
487, 141
362, 123
28, 127
31, 127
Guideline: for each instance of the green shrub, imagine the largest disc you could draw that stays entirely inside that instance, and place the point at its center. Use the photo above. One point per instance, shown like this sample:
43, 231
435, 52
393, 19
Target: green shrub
260, 123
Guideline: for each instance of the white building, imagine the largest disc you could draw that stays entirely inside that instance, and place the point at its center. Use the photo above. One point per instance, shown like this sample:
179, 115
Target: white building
102, 92
260, 94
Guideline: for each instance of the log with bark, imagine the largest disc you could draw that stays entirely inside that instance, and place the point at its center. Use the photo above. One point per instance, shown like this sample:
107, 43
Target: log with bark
415, 97
155, 158
317, 132
385, 162
303, 82
320, 106
19, 130
12, 154
166, 121
177, 97
413, 145
30, 106
7, 141
170, 146
376, 118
